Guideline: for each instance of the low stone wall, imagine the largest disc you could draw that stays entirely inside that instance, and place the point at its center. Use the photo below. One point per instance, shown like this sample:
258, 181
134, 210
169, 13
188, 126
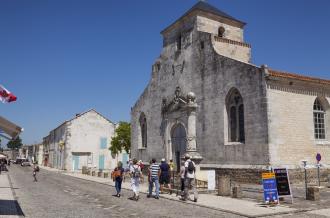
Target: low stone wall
241, 175
253, 176
297, 175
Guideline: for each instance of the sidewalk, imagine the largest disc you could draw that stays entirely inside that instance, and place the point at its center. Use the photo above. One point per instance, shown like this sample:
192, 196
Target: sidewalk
225, 204
8, 204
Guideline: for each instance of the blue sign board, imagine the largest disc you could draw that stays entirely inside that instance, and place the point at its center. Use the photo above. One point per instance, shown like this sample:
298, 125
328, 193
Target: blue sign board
318, 157
270, 190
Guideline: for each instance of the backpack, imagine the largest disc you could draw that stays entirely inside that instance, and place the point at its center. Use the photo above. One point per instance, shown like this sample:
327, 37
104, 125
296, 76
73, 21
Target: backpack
37, 168
136, 172
141, 166
191, 167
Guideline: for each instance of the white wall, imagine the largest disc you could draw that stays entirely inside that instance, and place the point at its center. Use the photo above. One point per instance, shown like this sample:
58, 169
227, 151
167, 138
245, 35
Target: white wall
85, 133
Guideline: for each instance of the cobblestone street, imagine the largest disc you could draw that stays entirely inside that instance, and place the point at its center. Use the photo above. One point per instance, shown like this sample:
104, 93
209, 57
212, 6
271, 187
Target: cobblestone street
57, 195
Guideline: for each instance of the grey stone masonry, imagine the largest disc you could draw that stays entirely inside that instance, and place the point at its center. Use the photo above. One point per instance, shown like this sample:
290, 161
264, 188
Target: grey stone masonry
206, 56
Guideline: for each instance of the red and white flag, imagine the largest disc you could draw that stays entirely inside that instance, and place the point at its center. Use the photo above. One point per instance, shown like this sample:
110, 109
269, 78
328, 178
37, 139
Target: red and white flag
6, 96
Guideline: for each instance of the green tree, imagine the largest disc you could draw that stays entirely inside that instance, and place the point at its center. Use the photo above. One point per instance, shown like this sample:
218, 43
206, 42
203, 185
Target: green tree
122, 139
15, 143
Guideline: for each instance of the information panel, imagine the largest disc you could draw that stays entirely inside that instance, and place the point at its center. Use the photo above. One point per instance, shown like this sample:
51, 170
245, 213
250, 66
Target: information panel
211, 179
270, 189
282, 181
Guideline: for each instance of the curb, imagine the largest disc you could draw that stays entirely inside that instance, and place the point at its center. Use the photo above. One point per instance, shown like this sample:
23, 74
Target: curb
18, 208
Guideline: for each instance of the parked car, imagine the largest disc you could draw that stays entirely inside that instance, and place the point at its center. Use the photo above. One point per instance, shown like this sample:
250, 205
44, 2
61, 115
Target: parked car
25, 162
19, 160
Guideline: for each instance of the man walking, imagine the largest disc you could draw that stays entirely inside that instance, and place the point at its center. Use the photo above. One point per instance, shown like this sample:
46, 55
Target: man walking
153, 177
35, 170
190, 169
165, 176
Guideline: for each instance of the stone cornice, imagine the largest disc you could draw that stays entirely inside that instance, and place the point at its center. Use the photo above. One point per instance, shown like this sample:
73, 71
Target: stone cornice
230, 41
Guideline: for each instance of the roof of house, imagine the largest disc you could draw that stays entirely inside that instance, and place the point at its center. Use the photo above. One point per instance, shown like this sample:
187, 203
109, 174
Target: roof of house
81, 114
281, 74
205, 7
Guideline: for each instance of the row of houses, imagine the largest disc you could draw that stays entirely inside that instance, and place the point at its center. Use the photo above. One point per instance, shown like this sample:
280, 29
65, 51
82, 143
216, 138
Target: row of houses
82, 141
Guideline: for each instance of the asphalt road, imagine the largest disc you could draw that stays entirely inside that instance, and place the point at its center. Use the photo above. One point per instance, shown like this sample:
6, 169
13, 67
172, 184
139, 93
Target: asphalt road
58, 195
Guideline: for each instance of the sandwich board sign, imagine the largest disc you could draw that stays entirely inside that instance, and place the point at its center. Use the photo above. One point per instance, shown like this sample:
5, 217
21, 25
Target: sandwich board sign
283, 182
270, 188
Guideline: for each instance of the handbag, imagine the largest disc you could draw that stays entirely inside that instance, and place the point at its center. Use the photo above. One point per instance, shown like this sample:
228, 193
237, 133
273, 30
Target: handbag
115, 174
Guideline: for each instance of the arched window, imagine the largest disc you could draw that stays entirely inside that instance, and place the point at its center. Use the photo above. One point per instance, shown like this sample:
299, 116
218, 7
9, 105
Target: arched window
319, 116
235, 109
221, 31
143, 127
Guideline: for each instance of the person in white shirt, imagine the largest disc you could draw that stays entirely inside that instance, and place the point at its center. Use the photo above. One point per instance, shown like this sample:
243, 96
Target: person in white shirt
189, 179
182, 175
136, 173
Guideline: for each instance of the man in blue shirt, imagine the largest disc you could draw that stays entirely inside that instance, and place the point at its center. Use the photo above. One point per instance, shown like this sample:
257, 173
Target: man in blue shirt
164, 175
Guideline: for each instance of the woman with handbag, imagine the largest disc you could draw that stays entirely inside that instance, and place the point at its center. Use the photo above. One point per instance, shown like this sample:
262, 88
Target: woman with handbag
117, 176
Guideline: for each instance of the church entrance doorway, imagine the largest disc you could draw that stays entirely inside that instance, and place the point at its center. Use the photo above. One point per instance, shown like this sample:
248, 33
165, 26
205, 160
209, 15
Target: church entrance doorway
179, 144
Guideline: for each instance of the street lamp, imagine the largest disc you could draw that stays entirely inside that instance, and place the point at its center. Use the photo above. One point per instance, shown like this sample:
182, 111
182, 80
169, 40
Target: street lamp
305, 164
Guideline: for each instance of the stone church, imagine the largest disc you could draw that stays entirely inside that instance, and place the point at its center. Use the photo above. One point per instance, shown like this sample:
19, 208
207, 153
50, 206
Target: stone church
207, 99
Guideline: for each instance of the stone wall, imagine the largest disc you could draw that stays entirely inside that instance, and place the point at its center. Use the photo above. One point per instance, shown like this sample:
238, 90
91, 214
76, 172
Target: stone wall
212, 26
253, 176
298, 175
244, 176
214, 76
200, 69
85, 133
232, 49
291, 124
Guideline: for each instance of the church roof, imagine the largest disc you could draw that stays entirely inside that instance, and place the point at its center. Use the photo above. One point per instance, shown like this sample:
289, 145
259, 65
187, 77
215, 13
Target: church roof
300, 77
205, 7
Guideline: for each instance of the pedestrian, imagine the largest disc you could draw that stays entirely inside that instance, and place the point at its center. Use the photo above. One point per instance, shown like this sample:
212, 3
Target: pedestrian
127, 169
189, 179
153, 177
172, 172
35, 170
164, 176
141, 165
117, 176
135, 172
182, 175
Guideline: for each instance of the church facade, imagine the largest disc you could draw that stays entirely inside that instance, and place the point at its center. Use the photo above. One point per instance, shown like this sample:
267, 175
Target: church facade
205, 98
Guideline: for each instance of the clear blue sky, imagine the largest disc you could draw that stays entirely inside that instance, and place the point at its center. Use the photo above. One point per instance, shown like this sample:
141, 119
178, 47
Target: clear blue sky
62, 57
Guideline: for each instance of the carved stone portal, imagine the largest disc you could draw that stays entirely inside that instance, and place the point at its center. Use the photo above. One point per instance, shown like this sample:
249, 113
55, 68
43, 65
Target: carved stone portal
181, 109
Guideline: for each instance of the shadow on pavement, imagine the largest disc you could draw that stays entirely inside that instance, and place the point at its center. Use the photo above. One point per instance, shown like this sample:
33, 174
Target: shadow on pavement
10, 207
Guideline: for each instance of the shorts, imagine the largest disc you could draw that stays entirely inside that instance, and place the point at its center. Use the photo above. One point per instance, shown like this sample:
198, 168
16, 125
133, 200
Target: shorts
164, 180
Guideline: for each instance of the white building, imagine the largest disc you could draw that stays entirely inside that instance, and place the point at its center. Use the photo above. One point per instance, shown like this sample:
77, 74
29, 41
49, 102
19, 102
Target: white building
82, 141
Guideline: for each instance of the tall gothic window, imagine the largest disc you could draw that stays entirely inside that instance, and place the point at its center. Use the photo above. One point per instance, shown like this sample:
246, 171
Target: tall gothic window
178, 43
319, 120
143, 127
235, 108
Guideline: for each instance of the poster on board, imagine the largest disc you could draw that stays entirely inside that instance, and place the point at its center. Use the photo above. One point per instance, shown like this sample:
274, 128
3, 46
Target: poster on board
282, 181
270, 189
211, 179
